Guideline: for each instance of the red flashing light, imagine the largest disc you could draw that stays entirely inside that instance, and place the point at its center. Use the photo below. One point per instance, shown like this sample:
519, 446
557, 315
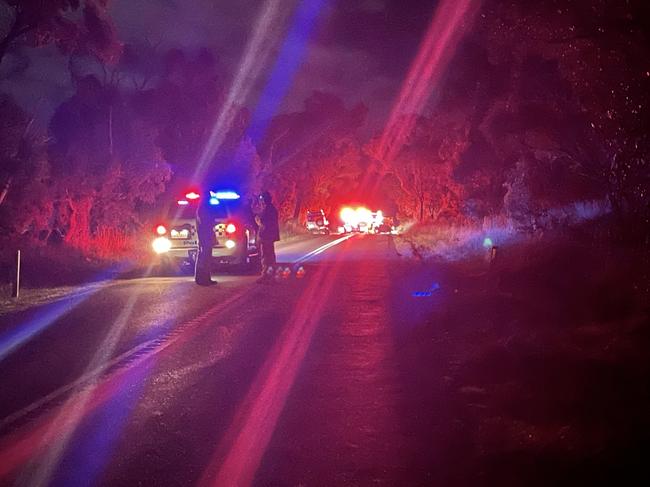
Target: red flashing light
231, 228
161, 230
192, 195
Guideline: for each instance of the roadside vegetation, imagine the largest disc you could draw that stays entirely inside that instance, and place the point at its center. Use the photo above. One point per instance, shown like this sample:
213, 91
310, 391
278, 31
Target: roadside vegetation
527, 134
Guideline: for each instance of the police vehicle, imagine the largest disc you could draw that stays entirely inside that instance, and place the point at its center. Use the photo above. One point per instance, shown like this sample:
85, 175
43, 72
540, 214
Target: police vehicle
175, 239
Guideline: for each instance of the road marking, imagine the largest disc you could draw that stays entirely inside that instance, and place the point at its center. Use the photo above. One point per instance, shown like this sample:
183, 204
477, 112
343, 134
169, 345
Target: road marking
128, 358
323, 248
150, 348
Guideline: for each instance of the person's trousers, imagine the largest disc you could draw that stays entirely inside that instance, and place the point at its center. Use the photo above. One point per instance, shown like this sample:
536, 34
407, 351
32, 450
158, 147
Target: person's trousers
203, 265
267, 250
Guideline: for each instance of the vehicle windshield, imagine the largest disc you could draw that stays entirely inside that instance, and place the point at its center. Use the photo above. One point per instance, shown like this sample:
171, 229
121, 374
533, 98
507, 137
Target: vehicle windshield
220, 211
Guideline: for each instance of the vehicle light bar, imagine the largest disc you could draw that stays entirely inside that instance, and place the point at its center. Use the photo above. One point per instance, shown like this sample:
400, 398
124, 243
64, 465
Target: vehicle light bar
225, 195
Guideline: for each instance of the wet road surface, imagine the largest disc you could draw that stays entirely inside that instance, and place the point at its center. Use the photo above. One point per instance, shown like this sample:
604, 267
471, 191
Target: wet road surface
159, 382
370, 370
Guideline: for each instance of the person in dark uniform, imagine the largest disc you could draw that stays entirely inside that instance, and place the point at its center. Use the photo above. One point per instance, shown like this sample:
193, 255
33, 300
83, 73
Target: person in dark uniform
206, 238
268, 234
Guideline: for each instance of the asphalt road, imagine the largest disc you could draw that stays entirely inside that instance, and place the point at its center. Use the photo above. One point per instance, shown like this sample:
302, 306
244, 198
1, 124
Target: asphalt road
156, 381
370, 370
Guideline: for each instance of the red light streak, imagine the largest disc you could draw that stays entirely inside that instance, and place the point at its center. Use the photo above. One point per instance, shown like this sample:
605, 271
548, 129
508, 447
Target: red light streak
450, 22
240, 453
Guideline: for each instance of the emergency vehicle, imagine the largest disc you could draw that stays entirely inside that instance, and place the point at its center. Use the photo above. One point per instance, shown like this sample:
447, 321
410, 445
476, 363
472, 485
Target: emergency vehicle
175, 238
362, 220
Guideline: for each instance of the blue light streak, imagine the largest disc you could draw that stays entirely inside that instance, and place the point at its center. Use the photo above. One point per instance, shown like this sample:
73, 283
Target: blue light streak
225, 195
287, 64
14, 339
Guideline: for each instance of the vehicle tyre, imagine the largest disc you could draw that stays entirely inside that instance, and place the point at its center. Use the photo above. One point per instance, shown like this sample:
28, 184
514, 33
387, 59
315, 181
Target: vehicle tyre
186, 268
176, 268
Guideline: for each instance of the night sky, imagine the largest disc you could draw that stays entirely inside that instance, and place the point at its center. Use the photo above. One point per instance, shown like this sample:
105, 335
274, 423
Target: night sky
358, 50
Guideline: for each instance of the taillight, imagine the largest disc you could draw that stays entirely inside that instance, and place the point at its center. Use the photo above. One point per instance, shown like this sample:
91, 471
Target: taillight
161, 230
231, 228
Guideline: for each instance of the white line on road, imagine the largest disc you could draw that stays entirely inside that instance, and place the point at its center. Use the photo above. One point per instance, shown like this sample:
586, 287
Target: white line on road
323, 248
160, 343
166, 340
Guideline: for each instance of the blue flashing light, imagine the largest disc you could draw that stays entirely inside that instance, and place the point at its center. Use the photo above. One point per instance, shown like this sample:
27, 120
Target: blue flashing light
487, 242
422, 294
214, 201
225, 195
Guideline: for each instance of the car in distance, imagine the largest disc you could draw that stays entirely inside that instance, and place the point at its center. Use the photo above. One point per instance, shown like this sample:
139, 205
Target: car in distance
317, 222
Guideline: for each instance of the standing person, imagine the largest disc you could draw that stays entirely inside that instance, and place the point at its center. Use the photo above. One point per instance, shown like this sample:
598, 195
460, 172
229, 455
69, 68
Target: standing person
205, 233
268, 234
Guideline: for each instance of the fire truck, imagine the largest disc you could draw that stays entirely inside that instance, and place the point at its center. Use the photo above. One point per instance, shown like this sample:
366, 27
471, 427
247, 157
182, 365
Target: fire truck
175, 237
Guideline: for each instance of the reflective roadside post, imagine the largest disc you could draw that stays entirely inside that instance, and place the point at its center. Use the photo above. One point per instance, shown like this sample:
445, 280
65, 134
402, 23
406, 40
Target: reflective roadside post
493, 255
16, 284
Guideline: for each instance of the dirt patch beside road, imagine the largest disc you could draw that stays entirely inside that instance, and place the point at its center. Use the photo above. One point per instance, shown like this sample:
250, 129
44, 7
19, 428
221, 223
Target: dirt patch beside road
532, 372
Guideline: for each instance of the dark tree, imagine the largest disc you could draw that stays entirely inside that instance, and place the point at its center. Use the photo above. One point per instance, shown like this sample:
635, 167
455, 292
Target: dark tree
311, 156
41, 22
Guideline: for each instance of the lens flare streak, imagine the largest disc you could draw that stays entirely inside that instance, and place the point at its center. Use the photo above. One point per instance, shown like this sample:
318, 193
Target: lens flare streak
238, 457
258, 51
450, 22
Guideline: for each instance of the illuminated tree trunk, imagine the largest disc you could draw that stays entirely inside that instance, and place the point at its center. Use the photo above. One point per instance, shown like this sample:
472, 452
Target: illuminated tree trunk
5, 191
78, 234
297, 207
421, 205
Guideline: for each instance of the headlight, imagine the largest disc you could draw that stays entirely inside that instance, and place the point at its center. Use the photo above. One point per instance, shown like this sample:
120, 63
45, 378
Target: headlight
363, 215
230, 244
348, 216
161, 245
